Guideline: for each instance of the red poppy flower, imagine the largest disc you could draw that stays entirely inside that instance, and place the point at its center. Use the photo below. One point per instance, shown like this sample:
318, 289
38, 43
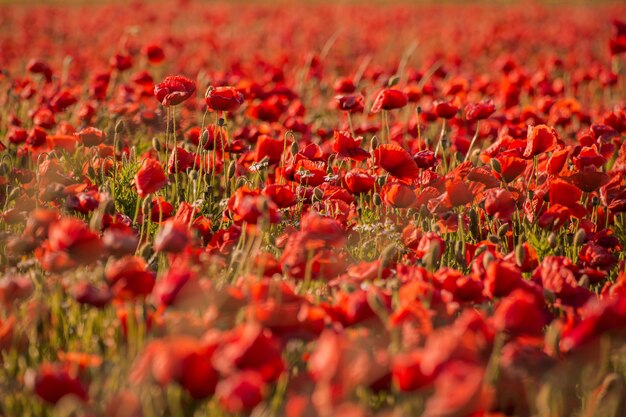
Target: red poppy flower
567, 195
272, 149
445, 109
479, 111
90, 136
224, 99
281, 195
251, 347
458, 193
52, 382
359, 181
150, 178
241, 392
154, 53
172, 237
344, 85
540, 139
389, 99
348, 147
37, 66
180, 161
500, 203
510, 166
72, 236
309, 173
397, 161
407, 373
174, 89
86, 293
501, 279
351, 103
398, 195
129, 278
425, 159
557, 161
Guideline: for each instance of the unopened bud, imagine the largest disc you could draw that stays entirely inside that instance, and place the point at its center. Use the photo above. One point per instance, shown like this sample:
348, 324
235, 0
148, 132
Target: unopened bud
230, 173
552, 240
580, 237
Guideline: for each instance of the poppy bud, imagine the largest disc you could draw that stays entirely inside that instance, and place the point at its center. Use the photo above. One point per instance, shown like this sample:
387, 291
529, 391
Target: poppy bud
493, 239
15, 192
584, 281
204, 138
318, 194
431, 259
552, 240
380, 181
495, 164
393, 81
119, 126
156, 145
221, 122
377, 199
146, 251
520, 255
374, 143
388, 254
487, 259
473, 222
4, 168
294, 149
459, 251
580, 237
232, 169
502, 230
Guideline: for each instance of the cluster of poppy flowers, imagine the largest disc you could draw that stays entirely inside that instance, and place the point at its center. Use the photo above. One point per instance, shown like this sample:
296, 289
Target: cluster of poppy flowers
309, 223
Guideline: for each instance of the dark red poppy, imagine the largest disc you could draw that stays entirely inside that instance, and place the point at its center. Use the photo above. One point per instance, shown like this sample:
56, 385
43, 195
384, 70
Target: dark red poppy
37, 66
425, 159
224, 99
389, 99
445, 109
52, 382
480, 111
174, 89
241, 392
351, 103
154, 53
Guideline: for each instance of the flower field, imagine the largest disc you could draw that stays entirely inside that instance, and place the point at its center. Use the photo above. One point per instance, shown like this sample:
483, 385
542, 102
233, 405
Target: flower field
312, 209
